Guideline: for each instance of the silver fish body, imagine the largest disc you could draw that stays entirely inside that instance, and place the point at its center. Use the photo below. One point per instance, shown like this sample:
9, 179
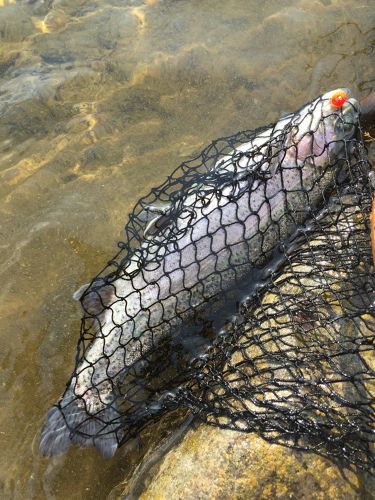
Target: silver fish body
209, 243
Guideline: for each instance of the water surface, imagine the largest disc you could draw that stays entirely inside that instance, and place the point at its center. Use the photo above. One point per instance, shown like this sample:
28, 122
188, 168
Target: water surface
99, 101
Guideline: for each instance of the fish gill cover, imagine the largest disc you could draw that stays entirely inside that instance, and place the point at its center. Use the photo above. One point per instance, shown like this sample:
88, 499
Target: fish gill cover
244, 291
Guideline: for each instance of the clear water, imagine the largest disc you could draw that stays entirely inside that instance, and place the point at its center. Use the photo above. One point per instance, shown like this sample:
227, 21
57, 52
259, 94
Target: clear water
99, 100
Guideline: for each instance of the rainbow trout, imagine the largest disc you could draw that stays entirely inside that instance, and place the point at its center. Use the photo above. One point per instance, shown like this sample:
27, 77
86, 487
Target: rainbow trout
208, 242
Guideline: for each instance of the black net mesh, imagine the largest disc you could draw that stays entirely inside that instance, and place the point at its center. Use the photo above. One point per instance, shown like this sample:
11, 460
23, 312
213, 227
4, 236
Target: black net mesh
244, 291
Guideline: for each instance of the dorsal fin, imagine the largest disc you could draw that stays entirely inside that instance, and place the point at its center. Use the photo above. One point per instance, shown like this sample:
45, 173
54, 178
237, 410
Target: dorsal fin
155, 218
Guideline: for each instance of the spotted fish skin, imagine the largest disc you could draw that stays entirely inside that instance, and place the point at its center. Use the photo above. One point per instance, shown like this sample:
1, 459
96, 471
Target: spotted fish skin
263, 191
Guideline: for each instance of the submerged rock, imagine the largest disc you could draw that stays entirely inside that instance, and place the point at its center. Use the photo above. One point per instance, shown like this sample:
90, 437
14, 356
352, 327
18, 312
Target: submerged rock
217, 464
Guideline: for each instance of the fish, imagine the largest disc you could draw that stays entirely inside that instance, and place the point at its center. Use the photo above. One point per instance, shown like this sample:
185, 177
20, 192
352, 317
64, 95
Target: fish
207, 243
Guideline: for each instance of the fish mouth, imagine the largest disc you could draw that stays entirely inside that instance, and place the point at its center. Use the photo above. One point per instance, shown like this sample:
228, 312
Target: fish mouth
347, 119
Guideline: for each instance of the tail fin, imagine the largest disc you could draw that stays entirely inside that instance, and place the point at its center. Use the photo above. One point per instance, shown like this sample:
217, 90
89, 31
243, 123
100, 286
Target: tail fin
69, 422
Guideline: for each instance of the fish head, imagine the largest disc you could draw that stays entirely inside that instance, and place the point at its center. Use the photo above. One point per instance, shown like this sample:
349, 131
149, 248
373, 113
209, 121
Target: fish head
319, 131
317, 141
337, 118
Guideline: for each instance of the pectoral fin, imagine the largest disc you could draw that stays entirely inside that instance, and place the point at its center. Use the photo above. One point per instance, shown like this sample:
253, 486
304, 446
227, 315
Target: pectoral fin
97, 299
81, 290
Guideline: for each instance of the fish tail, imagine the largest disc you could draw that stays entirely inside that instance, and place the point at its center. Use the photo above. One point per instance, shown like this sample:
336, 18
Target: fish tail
69, 423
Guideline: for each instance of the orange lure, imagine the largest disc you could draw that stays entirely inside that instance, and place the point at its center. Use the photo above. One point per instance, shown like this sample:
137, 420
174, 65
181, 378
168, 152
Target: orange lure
339, 98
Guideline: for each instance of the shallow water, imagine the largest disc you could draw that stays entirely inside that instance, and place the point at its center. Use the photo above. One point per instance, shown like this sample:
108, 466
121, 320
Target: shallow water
99, 101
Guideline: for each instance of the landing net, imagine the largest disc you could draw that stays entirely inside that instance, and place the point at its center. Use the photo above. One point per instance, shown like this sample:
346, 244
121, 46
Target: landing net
244, 291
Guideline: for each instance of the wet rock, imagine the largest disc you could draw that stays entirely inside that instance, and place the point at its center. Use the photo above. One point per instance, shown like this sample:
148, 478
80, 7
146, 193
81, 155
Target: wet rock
15, 24
57, 58
7, 61
55, 20
217, 464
